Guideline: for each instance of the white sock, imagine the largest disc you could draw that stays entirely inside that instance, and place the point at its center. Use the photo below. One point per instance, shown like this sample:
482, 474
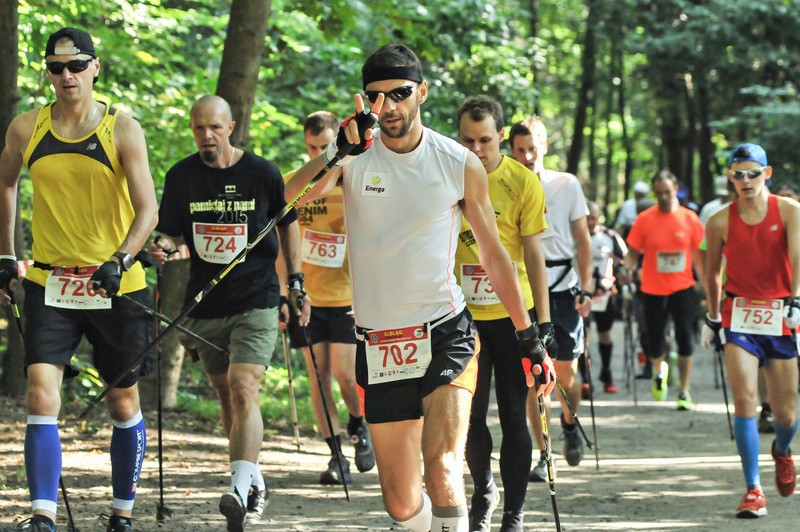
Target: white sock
242, 474
450, 519
420, 521
258, 478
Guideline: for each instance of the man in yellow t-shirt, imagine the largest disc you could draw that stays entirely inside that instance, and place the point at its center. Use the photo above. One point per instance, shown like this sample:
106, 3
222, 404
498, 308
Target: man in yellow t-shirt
519, 205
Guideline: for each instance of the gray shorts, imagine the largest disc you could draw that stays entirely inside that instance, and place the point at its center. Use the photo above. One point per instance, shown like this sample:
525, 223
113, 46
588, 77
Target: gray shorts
248, 338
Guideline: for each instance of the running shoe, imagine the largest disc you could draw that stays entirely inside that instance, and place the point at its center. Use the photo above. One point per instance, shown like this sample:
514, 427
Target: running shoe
512, 522
37, 523
753, 505
539, 472
365, 455
684, 401
785, 475
257, 500
483, 505
573, 445
765, 421
659, 388
332, 476
610, 387
585, 390
232, 507
118, 523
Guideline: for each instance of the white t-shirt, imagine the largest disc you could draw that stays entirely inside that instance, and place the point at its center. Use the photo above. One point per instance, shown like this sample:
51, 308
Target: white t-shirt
403, 216
565, 204
627, 213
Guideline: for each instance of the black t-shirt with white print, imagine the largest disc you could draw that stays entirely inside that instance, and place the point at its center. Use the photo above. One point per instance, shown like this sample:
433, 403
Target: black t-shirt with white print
217, 211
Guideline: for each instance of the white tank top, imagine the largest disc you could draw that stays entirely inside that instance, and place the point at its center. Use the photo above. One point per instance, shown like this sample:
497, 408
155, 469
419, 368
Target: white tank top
403, 216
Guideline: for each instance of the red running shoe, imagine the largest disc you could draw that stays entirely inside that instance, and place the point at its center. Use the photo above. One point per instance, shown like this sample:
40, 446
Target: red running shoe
753, 505
785, 475
585, 391
610, 387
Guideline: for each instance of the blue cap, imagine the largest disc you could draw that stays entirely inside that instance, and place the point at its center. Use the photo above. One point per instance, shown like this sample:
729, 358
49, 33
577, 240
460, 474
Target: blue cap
748, 152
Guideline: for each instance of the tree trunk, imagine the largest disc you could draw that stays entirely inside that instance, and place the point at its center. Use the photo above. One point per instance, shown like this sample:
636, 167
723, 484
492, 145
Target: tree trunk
241, 60
707, 170
12, 383
690, 145
585, 94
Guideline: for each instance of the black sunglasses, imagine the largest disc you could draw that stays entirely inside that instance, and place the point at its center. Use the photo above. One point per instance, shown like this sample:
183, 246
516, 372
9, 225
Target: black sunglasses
752, 173
398, 95
74, 66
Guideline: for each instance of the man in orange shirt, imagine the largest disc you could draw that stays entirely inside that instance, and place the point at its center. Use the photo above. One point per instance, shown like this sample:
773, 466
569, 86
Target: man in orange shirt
669, 236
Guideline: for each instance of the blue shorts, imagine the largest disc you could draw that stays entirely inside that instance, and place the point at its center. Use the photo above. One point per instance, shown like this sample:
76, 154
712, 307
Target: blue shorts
762, 346
568, 324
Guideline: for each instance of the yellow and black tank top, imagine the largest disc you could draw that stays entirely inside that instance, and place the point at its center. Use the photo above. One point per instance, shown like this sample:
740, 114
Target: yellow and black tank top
82, 208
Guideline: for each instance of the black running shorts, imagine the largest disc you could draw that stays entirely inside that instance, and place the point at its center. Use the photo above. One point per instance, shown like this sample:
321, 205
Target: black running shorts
117, 335
336, 325
453, 362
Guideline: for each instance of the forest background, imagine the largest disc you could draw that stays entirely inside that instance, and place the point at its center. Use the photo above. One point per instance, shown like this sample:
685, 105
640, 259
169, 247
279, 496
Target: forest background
625, 87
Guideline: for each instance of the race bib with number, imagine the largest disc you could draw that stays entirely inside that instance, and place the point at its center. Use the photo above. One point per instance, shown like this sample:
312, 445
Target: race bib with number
72, 288
671, 261
219, 243
323, 249
757, 316
476, 286
398, 354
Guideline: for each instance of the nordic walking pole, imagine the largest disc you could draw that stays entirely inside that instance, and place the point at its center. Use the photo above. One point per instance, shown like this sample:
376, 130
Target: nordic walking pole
15, 311
548, 451
160, 317
368, 121
591, 407
724, 387
288, 362
162, 511
574, 414
336, 448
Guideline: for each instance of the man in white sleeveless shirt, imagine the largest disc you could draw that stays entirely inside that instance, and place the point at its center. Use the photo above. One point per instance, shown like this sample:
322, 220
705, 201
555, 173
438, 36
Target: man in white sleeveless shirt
404, 199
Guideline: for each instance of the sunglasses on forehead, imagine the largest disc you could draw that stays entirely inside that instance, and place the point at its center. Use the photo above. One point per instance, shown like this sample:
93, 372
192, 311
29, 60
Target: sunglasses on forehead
752, 173
398, 95
74, 66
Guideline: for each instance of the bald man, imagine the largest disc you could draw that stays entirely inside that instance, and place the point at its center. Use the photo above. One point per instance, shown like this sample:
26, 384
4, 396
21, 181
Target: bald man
216, 201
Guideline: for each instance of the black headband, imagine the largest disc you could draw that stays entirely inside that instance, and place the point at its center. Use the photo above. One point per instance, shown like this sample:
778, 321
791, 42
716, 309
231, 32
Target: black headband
411, 73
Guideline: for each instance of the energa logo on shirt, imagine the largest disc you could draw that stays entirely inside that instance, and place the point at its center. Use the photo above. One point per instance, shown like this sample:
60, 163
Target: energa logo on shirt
375, 184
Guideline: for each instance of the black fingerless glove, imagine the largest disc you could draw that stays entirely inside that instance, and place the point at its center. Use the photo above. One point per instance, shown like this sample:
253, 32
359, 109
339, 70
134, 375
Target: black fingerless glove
295, 284
108, 276
547, 334
8, 271
343, 150
531, 346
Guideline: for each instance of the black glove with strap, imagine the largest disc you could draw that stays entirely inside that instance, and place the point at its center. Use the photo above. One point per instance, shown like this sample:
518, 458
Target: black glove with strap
547, 334
108, 277
344, 151
8, 271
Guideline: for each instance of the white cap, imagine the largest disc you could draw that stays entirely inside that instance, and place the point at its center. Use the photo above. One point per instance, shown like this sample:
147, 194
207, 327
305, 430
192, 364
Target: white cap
641, 187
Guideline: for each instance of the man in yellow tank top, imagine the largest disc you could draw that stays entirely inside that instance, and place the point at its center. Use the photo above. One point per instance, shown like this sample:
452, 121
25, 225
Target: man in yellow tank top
94, 205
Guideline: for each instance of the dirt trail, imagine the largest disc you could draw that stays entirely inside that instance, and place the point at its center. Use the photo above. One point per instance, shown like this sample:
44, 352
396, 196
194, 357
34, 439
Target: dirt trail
659, 469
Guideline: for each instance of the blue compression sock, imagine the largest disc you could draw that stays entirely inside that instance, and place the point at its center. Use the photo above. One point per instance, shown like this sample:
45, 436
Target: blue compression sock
783, 437
43, 461
746, 432
128, 443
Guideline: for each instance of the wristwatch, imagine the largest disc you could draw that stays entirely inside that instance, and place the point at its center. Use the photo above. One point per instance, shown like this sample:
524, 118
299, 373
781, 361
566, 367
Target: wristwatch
125, 260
